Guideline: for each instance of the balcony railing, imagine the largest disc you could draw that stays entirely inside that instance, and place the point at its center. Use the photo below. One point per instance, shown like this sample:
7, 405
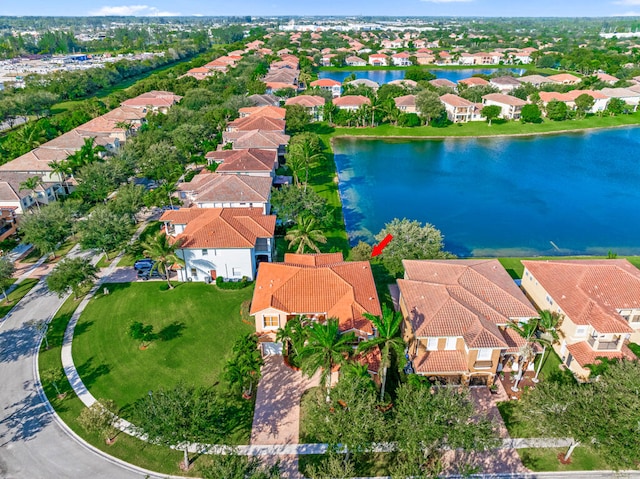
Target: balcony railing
483, 365
603, 345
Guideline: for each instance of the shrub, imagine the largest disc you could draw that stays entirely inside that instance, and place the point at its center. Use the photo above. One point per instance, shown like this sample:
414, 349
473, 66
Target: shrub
409, 120
222, 284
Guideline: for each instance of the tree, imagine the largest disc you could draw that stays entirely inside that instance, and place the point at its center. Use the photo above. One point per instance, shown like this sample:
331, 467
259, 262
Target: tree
30, 184
388, 340
557, 110
429, 105
531, 114
293, 334
305, 235
304, 150
361, 252
163, 251
491, 112
475, 93
161, 161
142, 332
297, 118
179, 416
104, 230
235, 466
326, 347
73, 274
7, 268
447, 418
617, 106
527, 331
548, 323
46, 228
53, 376
584, 103
290, 202
411, 240
62, 169
128, 201
243, 369
100, 419
418, 74
88, 153
96, 181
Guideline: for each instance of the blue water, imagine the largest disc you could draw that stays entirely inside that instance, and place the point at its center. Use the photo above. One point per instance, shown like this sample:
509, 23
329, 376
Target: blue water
494, 197
385, 76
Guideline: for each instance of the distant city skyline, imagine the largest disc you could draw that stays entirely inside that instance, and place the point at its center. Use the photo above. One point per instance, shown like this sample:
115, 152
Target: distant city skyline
488, 8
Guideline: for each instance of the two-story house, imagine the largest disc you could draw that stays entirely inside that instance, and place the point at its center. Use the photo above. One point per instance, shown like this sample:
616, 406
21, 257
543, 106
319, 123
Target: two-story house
406, 103
226, 242
251, 162
312, 103
335, 87
600, 304
459, 110
456, 314
510, 105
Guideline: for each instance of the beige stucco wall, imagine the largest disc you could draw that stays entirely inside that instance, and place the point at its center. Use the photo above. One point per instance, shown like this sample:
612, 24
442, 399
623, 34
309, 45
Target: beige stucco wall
259, 318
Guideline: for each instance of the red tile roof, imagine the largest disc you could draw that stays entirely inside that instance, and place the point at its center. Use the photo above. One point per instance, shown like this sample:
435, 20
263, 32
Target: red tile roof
244, 160
256, 139
504, 99
268, 111
474, 81
352, 100
406, 100
307, 101
436, 362
325, 82
221, 227
584, 355
319, 284
254, 122
214, 187
456, 101
590, 291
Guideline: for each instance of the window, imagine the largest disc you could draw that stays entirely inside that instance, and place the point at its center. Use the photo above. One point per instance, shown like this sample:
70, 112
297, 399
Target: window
635, 318
432, 344
205, 252
484, 354
450, 344
236, 272
270, 321
581, 330
194, 273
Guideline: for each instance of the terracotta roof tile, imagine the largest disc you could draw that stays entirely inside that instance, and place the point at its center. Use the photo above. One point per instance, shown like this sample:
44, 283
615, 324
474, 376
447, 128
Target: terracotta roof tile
504, 99
352, 100
214, 187
584, 355
244, 160
257, 123
256, 139
435, 362
456, 101
268, 111
307, 101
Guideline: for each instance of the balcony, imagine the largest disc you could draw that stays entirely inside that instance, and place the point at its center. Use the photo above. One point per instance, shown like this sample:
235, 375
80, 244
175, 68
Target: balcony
603, 345
483, 365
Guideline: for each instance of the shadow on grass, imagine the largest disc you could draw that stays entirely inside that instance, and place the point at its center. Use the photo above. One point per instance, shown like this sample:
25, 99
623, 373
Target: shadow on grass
172, 331
82, 328
90, 373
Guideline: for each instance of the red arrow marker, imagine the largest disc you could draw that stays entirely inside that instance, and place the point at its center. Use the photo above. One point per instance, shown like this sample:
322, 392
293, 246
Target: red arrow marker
377, 249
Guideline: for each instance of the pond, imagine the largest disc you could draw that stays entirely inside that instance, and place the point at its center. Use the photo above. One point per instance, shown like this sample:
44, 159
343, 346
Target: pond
385, 76
560, 194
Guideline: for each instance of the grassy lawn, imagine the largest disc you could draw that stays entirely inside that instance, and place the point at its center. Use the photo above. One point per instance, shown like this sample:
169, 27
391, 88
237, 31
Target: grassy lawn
477, 128
515, 267
583, 458
197, 324
34, 254
371, 464
16, 295
134, 252
635, 348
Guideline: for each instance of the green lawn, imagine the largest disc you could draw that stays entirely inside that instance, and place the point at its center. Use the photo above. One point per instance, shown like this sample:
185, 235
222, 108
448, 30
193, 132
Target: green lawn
16, 295
197, 323
127, 448
34, 254
134, 252
515, 268
480, 128
373, 464
583, 458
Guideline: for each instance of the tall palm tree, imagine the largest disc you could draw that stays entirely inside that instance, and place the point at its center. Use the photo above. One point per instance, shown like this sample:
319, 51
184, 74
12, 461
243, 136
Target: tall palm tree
528, 332
160, 249
88, 153
62, 169
305, 235
293, 333
31, 184
32, 135
388, 339
302, 155
325, 348
547, 334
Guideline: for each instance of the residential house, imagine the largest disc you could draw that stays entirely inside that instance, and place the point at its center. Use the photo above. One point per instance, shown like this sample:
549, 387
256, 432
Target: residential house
335, 87
351, 102
354, 61
153, 100
605, 77
256, 122
569, 98
443, 82
565, 79
473, 81
466, 59
378, 60
510, 105
630, 97
404, 83
536, 80
425, 58
401, 59
14, 196
523, 56
325, 60
312, 103
318, 287
599, 301
199, 73
365, 82
8, 220
250, 161
219, 190
459, 110
274, 112
227, 242
505, 84
406, 103
264, 100
392, 44
456, 317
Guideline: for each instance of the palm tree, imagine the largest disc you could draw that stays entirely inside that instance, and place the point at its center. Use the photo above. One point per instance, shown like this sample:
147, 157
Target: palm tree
293, 333
528, 332
305, 235
548, 323
88, 153
301, 156
62, 169
325, 348
31, 184
160, 249
32, 135
388, 339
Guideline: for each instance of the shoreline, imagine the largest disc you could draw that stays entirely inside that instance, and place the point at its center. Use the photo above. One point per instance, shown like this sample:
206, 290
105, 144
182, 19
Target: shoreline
499, 135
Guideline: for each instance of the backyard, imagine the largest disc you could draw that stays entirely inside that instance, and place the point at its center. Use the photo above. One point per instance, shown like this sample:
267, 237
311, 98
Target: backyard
196, 326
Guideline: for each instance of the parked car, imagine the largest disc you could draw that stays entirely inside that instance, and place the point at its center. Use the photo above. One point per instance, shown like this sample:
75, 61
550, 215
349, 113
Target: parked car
146, 274
144, 264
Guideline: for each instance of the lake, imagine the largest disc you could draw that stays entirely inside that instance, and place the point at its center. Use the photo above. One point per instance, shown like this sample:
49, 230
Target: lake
560, 194
385, 76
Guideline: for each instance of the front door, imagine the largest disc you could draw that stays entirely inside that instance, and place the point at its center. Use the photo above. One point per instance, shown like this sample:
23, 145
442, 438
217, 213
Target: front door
213, 274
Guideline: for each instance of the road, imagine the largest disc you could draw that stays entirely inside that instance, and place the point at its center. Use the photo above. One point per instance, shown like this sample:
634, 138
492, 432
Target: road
33, 444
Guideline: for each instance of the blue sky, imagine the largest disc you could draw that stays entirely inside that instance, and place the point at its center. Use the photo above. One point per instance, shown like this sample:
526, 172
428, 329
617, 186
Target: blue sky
556, 8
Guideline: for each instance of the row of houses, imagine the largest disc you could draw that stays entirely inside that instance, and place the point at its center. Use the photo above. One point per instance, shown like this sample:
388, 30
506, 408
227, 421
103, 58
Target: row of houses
219, 65
110, 131
457, 312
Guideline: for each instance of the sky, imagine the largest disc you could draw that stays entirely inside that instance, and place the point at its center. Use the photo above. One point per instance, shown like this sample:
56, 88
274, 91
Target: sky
490, 8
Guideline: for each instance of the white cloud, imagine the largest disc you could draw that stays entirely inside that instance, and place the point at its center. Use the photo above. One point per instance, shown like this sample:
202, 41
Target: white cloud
447, 1
627, 14
132, 10
627, 2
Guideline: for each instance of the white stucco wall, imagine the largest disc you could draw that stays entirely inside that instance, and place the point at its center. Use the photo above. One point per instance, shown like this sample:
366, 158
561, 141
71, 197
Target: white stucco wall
227, 262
